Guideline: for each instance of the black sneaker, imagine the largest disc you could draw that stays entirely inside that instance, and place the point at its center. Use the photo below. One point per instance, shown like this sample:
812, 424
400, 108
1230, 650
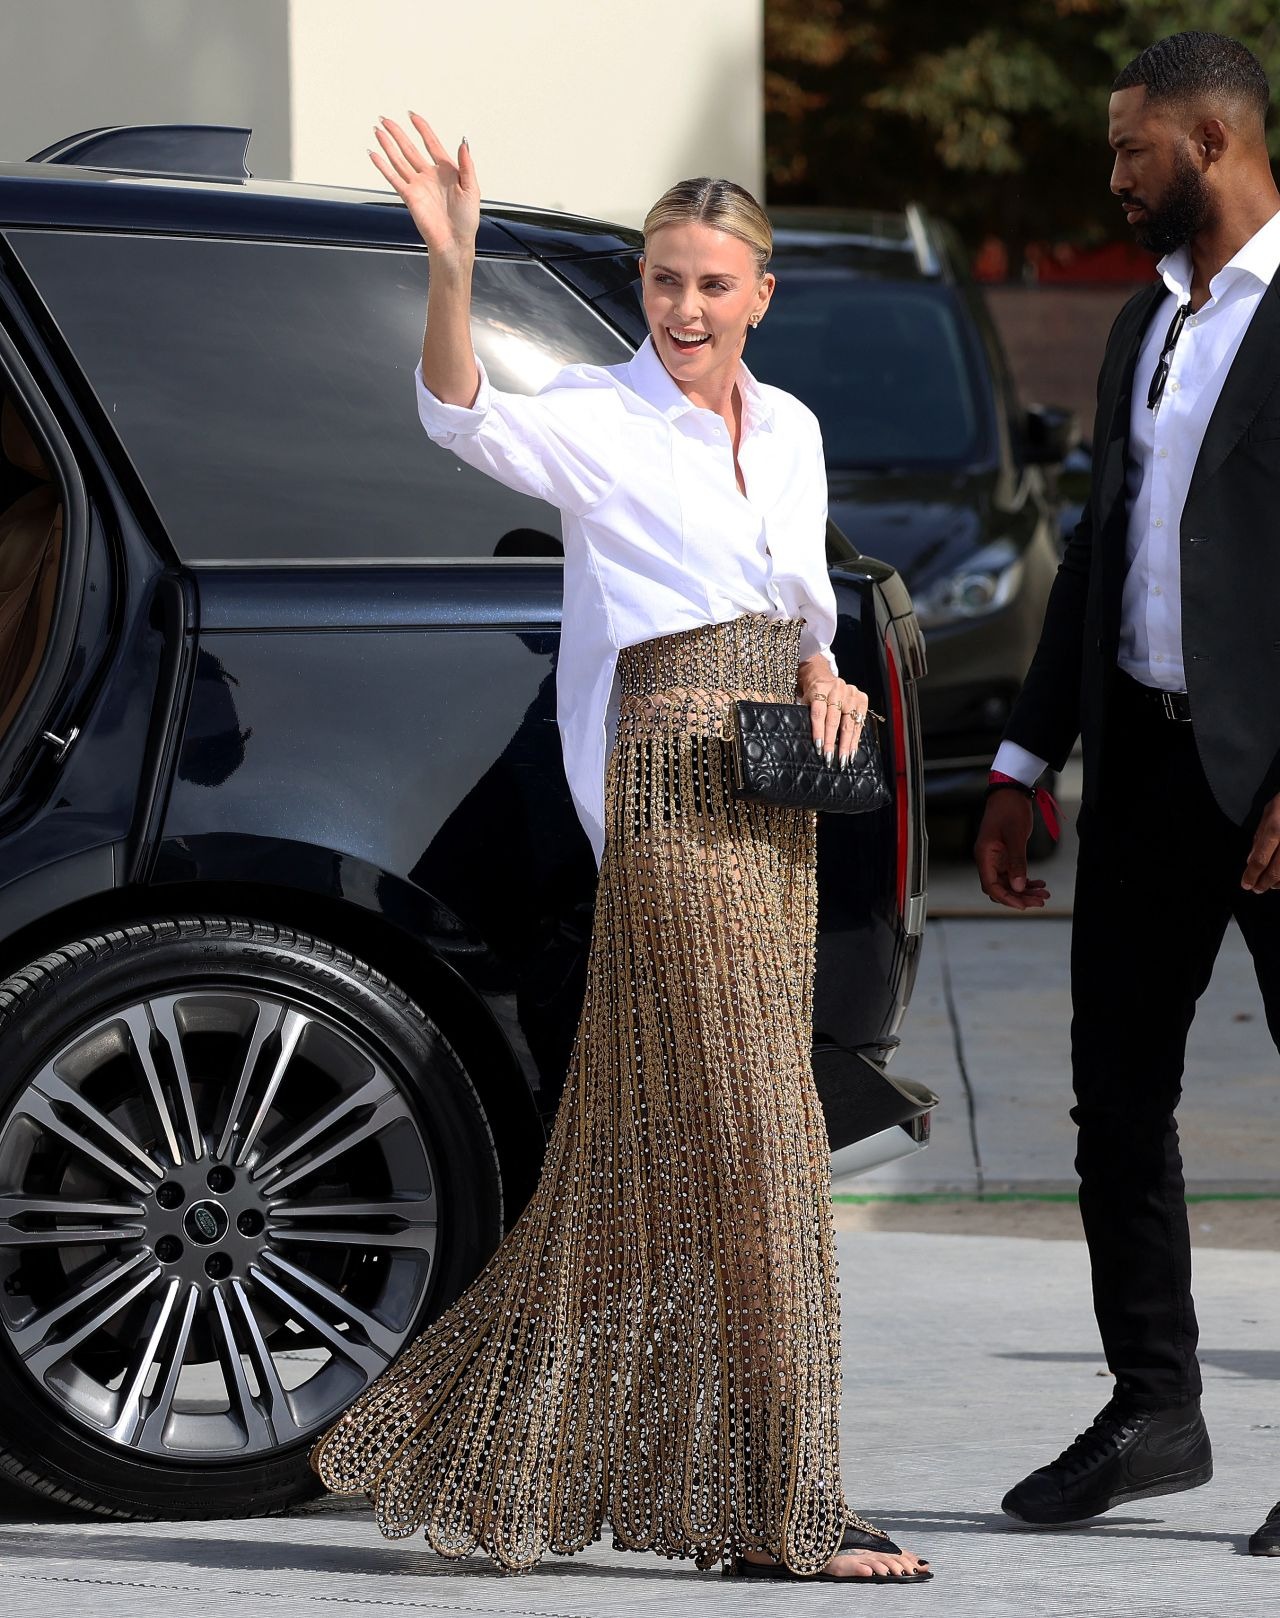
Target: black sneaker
1125, 1455
1266, 1542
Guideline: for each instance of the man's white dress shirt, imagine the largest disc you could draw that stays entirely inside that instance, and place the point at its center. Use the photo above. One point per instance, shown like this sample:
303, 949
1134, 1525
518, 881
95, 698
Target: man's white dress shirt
657, 536
1164, 445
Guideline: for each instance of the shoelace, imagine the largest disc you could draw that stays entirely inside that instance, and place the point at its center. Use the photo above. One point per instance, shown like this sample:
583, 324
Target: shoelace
1110, 1423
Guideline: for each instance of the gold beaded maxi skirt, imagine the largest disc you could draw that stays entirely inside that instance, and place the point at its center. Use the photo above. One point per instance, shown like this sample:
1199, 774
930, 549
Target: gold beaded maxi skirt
655, 1344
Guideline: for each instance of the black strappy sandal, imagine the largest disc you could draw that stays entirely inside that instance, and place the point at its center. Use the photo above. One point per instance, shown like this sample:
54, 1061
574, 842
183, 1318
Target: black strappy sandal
858, 1536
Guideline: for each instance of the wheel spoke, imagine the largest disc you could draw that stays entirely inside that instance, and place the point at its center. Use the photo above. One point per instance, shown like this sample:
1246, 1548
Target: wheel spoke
150, 1435
267, 1020
292, 1028
411, 1216
279, 1409
375, 1104
372, 1354
256, 1429
15, 1210
47, 1351
381, 1337
43, 1103
129, 1410
153, 1020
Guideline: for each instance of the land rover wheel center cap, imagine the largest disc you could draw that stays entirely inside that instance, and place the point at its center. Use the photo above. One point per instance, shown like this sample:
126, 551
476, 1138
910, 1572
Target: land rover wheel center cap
206, 1223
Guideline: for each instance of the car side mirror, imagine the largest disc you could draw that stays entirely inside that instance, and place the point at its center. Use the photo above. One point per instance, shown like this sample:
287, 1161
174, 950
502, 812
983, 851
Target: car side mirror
1049, 434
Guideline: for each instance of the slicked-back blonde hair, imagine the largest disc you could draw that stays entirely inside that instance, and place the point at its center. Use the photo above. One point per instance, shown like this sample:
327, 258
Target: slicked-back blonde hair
720, 204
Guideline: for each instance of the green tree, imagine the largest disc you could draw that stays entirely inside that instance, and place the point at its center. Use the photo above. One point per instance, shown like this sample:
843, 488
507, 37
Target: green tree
993, 116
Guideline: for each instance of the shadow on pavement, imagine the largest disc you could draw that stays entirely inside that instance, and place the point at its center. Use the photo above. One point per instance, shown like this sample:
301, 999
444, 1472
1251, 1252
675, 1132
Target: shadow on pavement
995, 1522
308, 1557
1262, 1364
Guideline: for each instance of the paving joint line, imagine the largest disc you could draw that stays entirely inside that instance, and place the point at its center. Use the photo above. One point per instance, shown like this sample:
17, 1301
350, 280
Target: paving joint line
957, 1042
287, 1595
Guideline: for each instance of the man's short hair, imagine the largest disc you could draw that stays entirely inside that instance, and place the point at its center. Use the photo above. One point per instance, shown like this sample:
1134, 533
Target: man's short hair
1196, 66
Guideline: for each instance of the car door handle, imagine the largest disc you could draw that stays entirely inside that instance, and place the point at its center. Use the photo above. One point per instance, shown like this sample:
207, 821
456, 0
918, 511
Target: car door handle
62, 744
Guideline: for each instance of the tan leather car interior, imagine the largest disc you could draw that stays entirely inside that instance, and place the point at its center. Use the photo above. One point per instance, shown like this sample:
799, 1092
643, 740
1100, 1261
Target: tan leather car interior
30, 549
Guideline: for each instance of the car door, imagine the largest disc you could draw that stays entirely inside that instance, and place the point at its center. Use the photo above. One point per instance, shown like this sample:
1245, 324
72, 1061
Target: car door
98, 639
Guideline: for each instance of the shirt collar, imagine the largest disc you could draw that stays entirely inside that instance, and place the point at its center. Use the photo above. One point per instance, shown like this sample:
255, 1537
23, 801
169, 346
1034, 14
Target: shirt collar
654, 383
1259, 257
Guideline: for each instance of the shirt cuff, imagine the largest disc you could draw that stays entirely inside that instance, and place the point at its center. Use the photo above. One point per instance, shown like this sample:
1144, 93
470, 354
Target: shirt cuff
442, 421
1017, 762
811, 646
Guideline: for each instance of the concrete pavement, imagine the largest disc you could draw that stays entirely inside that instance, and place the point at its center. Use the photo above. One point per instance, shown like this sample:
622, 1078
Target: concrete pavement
988, 1031
968, 1360
970, 1357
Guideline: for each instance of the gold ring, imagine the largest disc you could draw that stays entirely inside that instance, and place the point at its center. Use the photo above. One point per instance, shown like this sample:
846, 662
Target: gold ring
838, 706
820, 697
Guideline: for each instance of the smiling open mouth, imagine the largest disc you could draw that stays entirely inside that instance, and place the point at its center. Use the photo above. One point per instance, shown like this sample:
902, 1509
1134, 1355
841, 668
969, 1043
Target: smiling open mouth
690, 340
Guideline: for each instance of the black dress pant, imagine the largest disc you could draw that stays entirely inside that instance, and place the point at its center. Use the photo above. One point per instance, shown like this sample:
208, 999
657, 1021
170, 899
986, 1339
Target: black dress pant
1158, 880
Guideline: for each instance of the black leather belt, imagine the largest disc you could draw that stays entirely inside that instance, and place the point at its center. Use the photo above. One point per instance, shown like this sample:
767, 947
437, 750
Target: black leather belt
1172, 705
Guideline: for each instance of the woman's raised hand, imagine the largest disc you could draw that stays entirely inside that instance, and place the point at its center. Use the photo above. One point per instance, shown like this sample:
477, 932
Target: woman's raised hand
441, 194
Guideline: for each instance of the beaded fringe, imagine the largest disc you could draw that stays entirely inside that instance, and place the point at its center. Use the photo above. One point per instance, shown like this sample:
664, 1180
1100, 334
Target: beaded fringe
655, 1343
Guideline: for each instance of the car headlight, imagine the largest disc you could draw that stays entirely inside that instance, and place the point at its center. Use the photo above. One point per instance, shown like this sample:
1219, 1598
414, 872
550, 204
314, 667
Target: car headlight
985, 582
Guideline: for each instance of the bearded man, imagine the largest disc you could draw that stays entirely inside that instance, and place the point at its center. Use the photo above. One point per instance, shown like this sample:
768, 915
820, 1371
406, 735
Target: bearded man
1161, 652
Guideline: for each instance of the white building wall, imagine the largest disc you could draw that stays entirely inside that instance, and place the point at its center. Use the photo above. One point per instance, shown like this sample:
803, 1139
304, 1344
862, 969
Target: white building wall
594, 107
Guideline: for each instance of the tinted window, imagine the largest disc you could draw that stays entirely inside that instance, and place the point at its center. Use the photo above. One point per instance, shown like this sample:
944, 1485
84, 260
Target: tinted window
265, 390
884, 366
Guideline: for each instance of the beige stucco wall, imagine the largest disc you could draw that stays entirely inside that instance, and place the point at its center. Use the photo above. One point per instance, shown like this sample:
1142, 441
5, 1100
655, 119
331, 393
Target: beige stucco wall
591, 105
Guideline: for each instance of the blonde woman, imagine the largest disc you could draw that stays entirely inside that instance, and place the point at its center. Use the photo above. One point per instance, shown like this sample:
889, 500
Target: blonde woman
656, 1342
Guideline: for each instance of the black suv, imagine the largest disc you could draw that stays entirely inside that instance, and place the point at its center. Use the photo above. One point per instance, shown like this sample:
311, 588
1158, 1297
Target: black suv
934, 465
293, 902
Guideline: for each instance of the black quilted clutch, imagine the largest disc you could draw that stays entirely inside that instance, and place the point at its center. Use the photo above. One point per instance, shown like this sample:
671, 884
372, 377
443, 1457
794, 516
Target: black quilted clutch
775, 761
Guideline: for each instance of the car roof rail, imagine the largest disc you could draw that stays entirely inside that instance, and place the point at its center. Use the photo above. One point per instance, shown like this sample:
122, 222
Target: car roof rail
192, 151
922, 240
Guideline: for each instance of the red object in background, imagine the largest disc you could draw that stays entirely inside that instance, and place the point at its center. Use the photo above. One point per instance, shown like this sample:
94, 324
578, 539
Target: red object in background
1117, 261
1059, 264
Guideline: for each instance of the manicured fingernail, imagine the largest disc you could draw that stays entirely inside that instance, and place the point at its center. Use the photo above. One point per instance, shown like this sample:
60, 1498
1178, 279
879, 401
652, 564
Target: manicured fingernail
831, 757
466, 143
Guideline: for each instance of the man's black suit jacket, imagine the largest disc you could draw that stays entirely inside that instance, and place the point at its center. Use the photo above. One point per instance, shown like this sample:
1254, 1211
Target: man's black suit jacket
1230, 561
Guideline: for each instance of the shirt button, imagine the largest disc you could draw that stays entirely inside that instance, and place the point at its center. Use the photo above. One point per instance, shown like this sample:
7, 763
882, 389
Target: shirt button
1156, 590
1174, 386
1159, 657
1158, 523
1164, 454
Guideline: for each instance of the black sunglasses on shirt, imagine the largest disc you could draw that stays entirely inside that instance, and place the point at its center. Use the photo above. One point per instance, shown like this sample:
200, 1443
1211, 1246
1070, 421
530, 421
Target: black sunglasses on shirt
1156, 391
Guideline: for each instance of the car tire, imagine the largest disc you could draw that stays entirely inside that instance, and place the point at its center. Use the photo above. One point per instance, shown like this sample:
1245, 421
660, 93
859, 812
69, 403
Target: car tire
371, 1113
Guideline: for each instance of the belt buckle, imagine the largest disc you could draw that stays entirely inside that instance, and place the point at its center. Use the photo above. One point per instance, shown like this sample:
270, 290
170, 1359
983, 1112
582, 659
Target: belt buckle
1168, 702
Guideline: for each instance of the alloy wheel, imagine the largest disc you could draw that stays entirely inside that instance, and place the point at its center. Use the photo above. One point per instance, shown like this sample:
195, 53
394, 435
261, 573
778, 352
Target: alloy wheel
218, 1223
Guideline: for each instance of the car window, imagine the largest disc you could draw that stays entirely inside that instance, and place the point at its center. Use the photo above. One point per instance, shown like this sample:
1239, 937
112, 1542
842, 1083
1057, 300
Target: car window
885, 367
264, 390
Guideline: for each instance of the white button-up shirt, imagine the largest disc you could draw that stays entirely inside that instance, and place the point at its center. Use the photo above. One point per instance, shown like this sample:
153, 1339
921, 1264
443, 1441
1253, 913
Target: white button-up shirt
1164, 445
657, 536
